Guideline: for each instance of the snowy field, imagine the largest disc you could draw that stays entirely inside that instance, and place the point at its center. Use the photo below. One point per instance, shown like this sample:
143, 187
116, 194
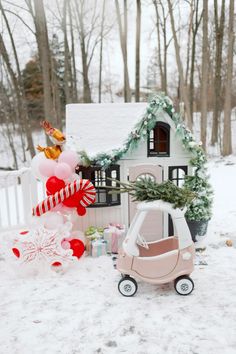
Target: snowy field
81, 311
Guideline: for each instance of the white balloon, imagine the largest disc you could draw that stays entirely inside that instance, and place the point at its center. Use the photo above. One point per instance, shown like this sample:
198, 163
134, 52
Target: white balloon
53, 220
37, 159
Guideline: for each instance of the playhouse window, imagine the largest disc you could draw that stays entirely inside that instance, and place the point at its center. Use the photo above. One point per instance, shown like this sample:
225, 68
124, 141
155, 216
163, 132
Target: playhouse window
159, 140
99, 178
177, 174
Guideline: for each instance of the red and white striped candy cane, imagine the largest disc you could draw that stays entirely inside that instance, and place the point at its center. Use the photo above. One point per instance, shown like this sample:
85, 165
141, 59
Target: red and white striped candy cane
49, 203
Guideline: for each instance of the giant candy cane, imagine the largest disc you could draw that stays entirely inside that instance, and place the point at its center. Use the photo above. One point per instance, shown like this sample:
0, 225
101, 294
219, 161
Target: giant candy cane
83, 185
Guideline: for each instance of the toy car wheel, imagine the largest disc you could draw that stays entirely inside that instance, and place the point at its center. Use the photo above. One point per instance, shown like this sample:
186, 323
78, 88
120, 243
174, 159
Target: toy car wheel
127, 286
184, 285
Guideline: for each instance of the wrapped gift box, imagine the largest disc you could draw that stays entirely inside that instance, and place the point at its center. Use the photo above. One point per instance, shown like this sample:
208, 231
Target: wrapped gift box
98, 248
114, 234
92, 234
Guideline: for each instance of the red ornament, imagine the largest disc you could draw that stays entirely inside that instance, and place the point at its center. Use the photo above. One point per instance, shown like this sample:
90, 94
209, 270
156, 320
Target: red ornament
24, 232
16, 252
81, 211
78, 247
56, 264
54, 184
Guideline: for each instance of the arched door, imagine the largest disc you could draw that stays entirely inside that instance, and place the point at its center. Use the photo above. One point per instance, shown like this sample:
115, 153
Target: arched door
152, 228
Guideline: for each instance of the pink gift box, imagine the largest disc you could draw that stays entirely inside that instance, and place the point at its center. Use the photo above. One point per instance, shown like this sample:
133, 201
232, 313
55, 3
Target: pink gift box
114, 234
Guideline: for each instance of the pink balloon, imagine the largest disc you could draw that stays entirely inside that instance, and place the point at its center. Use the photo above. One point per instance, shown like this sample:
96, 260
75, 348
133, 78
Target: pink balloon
62, 170
46, 167
69, 157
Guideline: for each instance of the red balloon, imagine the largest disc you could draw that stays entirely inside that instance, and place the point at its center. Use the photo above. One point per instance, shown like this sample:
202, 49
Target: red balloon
74, 200
56, 264
24, 232
81, 211
78, 247
54, 184
16, 252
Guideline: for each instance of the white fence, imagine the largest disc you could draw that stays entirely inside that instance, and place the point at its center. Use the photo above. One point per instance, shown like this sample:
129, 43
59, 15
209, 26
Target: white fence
19, 192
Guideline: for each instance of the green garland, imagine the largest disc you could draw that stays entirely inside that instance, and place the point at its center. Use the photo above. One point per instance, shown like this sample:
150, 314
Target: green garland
200, 209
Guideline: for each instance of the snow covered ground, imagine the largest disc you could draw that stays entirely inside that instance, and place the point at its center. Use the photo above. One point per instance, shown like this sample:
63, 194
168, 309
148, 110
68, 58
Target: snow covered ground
81, 311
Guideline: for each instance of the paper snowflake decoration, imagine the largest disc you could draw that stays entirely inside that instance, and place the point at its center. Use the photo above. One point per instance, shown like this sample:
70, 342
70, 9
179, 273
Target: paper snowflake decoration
41, 245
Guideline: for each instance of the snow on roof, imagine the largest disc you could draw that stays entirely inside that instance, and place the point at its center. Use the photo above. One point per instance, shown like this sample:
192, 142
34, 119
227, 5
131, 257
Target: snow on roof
101, 127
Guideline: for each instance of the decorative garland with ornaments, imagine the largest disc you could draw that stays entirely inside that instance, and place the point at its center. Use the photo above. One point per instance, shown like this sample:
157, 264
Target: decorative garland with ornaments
200, 209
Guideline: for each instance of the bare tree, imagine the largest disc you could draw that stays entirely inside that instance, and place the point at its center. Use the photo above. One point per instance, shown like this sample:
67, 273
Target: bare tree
68, 83
219, 35
16, 79
195, 26
204, 85
74, 72
137, 51
161, 27
227, 139
41, 33
123, 44
183, 88
88, 38
101, 53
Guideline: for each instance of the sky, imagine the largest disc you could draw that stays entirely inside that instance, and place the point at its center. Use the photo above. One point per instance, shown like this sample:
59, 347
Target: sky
113, 64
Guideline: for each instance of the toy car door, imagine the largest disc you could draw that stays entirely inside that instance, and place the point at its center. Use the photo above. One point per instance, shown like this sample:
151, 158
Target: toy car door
157, 266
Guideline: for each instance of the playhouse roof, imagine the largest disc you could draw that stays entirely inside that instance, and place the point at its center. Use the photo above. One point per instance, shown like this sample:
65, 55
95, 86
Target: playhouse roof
100, 128
103, 133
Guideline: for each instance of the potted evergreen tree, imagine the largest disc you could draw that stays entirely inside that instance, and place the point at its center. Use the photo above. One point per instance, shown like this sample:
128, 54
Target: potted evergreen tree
199, 211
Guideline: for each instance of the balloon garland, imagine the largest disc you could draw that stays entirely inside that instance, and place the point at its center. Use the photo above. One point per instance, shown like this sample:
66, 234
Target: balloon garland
52, 239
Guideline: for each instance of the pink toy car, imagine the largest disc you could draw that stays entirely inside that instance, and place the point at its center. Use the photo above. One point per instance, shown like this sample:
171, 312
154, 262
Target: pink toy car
157, 262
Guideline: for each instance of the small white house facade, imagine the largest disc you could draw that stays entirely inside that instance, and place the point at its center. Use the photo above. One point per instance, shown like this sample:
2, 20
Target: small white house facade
102, 130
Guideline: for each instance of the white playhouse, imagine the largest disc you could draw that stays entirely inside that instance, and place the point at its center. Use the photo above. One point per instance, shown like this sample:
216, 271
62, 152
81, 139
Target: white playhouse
126, 141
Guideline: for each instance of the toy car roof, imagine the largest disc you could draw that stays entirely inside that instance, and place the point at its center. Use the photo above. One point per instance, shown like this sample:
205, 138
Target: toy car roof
163, 206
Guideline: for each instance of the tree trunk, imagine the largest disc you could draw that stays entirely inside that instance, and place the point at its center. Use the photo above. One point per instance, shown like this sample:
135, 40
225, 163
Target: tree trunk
22, 114
190, 26
137, 51
45, 59
87, 98
159, 44
219, 33
195, 28
101, 54
227, 143
204, 85
183, 88
74, 73
67, 62
123, 44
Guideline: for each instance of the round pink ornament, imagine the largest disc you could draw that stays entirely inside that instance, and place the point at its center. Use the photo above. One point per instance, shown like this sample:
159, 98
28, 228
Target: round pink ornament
65, 245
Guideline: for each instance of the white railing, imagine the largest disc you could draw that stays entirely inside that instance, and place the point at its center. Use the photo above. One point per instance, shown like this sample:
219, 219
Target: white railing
19, 192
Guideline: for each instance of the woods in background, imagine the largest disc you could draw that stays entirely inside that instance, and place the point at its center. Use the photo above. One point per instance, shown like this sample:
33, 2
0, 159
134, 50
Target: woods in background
192, 59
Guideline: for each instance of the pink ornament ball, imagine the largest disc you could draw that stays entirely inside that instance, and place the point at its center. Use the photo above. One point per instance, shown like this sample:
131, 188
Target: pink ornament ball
62, 170
46, 167
65, 245
69, 157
